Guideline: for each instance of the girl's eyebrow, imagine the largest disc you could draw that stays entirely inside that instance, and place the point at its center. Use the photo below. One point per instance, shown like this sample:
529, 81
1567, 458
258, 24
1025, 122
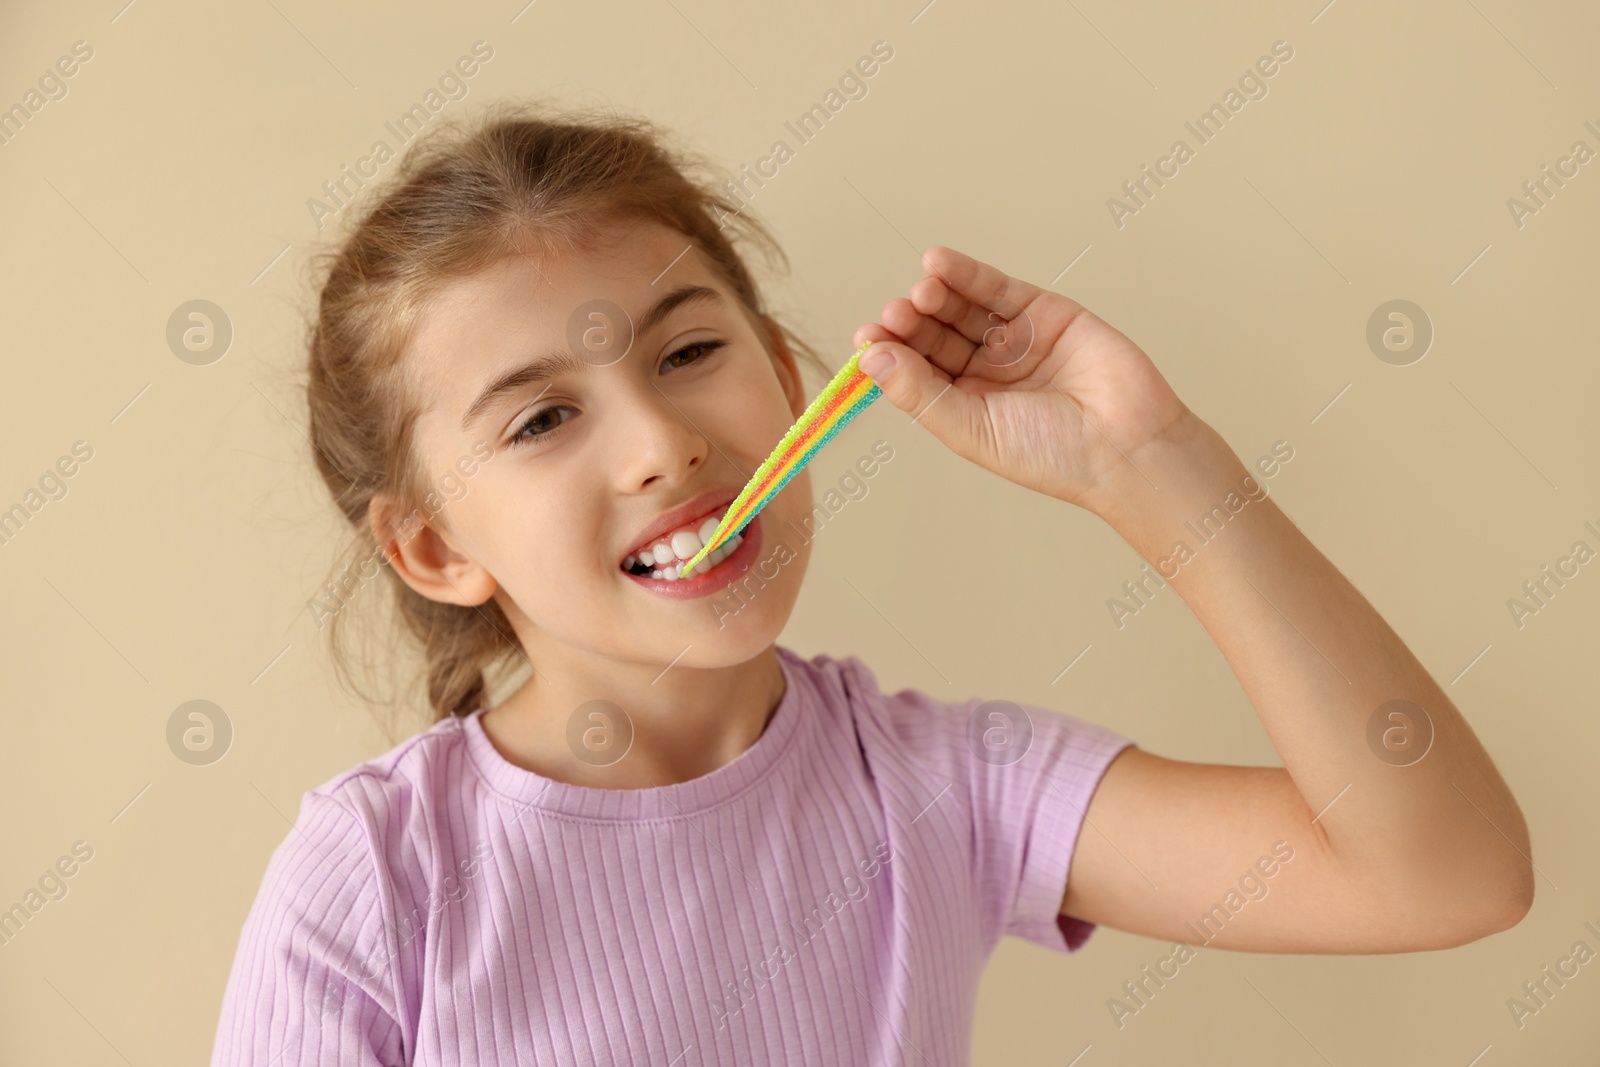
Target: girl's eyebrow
562, 361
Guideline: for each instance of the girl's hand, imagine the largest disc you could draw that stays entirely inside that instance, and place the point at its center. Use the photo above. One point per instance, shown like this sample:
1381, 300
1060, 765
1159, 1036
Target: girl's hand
1020, 380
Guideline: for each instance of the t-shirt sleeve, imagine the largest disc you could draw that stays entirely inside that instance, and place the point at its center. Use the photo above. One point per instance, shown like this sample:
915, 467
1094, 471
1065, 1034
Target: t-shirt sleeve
1028, 773
1031, 772
312, 979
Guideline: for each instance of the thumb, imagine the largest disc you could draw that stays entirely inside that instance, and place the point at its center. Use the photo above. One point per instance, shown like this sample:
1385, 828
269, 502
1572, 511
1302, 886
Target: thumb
921, 390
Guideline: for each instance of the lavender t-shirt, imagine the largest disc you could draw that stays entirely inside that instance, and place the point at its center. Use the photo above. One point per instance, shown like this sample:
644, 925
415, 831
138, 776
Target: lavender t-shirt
829, 896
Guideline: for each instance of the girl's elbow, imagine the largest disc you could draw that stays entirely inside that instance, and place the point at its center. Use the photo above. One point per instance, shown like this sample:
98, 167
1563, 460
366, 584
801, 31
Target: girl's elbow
1470, 906
1518, 897
1501, 887
1514, 876
1501, 900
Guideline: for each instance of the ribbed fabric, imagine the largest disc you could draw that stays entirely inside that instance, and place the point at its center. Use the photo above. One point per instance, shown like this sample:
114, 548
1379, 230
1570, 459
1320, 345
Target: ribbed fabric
830, 896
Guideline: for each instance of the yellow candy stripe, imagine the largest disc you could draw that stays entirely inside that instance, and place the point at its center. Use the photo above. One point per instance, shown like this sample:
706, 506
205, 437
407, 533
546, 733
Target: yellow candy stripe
850, 391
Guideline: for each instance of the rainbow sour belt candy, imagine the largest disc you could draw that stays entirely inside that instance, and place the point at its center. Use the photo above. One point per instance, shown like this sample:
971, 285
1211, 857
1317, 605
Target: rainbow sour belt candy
845, 397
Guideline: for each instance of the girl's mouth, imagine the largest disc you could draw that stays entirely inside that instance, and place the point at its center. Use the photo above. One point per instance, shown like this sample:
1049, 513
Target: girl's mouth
710, 576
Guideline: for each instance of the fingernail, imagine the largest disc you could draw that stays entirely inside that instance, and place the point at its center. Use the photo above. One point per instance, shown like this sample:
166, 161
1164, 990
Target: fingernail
878, 363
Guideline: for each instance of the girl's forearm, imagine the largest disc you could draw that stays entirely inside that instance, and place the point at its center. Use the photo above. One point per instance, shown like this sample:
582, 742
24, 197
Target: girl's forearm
1318, 663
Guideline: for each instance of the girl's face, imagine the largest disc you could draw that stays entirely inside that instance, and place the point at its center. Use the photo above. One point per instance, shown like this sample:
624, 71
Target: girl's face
621, 395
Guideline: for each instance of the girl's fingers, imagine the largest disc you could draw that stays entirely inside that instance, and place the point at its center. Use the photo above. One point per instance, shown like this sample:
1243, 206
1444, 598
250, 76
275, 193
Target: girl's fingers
997, 342
963, 307
962, 317
972, 296
944, 347
873, 331
914, 385
980, 283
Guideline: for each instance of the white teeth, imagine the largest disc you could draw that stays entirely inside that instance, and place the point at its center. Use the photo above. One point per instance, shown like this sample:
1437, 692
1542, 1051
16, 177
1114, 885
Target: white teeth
685, 544
666, 558
715, 557
672, 571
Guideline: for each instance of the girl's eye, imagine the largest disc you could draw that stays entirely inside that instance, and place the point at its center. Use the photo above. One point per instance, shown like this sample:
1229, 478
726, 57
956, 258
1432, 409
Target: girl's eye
703, 348
538, 427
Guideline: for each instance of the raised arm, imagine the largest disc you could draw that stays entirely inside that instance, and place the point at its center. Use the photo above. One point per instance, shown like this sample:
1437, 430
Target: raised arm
1403, 835
1388, 828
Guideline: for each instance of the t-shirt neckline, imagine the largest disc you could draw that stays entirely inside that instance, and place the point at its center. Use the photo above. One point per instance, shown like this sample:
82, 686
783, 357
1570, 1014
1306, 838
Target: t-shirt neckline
755, 763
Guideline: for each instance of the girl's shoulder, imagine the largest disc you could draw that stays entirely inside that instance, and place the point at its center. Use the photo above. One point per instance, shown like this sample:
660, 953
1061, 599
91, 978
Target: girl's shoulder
337, 922
946, 731
361, 838
1007, 780
422, 764
394, 811
907, 725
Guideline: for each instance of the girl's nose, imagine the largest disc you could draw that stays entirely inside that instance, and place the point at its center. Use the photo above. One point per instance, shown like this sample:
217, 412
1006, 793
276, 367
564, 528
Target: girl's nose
657, 441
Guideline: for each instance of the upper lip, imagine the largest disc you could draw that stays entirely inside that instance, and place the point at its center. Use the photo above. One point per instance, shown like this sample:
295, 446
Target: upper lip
713, 501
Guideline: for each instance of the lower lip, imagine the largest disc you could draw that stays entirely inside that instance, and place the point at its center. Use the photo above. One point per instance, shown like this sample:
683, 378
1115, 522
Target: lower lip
702, 582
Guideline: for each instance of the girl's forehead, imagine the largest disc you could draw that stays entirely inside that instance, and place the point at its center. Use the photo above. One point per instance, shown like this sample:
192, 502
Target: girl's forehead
617, 258
515, 302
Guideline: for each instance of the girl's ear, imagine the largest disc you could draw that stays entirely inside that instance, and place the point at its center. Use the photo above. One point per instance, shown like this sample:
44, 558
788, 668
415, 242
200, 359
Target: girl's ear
788, 370
425, 559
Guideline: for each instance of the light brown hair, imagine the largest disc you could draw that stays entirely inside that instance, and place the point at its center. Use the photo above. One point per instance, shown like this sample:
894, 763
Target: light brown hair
467, 193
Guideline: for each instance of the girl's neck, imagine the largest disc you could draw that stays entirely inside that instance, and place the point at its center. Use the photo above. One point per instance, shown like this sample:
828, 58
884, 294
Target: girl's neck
570, 722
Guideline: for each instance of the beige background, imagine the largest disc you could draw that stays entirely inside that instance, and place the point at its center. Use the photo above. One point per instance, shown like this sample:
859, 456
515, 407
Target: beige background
1378, 167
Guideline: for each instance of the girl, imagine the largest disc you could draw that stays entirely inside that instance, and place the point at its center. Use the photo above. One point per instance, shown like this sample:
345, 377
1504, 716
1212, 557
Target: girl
539, 373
